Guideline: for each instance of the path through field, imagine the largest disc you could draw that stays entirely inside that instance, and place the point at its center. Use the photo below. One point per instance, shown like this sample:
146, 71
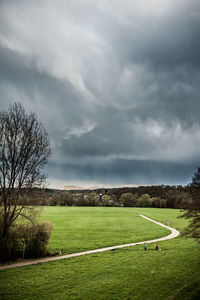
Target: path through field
174, 233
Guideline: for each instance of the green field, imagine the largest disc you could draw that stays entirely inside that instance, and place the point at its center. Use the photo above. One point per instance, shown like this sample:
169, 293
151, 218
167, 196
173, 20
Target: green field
84, 228
129, 273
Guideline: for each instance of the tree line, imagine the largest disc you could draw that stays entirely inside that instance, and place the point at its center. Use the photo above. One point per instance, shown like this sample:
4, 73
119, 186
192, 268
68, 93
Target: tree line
162, 196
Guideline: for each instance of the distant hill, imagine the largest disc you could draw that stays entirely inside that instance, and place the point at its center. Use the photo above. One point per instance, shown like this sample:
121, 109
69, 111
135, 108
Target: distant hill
72, 188
97, 187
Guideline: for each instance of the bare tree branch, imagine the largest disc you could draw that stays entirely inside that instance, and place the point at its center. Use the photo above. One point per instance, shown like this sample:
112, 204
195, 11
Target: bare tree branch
24, 150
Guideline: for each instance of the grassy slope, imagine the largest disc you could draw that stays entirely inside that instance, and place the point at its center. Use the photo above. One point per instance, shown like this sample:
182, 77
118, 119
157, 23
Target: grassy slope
129, 273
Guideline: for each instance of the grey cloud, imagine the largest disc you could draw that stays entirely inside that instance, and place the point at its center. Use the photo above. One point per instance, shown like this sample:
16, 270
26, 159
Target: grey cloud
125, 172
54, 99
167, 40
117, 86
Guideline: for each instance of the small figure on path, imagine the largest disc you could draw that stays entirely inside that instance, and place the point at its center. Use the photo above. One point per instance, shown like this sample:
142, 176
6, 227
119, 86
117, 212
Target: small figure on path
156, 246
145, 246
168, 222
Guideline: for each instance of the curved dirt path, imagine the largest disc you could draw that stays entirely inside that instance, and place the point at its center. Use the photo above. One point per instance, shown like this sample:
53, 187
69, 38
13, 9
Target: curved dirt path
174, 233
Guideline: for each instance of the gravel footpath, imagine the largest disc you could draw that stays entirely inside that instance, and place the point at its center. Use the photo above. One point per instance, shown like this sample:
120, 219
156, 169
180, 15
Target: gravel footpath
174, 233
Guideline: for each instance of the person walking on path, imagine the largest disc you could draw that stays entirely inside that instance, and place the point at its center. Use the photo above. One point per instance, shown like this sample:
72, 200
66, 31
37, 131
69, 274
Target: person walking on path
145, 246
156, 246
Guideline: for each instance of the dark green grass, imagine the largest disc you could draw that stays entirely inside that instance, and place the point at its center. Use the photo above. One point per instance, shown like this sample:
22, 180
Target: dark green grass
189, 291
129, 273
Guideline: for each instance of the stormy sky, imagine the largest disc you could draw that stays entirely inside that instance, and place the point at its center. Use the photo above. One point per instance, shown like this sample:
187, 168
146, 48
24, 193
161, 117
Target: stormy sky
116, 84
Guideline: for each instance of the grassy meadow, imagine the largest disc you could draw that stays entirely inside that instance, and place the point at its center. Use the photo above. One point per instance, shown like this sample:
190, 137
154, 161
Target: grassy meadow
129, 273
85, 228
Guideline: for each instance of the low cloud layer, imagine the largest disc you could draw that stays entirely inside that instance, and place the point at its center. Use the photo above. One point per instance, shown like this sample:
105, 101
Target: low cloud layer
115, 83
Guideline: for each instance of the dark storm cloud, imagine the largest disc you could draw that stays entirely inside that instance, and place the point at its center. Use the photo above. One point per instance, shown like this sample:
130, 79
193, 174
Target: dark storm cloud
161, 40
115, 83
39, 90
19, 72
120, 172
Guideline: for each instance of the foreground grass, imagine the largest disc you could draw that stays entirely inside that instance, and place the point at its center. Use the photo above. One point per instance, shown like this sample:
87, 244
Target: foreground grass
129, 273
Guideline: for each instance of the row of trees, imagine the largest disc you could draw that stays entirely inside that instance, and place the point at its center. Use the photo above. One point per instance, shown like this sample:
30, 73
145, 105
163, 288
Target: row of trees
171, 198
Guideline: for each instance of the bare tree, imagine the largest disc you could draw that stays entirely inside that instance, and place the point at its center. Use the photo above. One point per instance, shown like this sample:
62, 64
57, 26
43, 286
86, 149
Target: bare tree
24, 150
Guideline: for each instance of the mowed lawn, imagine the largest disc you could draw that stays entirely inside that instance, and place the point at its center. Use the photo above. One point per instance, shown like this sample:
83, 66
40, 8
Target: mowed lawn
129, 273
84, 228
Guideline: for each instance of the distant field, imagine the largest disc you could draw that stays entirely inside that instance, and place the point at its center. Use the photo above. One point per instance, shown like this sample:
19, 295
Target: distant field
129, 273
84, 228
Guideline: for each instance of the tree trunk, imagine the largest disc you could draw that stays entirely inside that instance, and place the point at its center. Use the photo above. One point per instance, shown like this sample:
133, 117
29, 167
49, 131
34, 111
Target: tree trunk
24, 248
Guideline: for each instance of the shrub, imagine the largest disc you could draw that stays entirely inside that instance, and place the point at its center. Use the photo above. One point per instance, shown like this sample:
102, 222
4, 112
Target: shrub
27, 241
35, 239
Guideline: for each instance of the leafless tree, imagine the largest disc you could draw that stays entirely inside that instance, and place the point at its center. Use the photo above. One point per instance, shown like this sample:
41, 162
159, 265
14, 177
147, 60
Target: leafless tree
24, 150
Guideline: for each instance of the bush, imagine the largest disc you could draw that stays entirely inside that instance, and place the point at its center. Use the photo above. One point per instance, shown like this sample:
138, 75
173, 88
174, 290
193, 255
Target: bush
10, 247
39, 237
26, 241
